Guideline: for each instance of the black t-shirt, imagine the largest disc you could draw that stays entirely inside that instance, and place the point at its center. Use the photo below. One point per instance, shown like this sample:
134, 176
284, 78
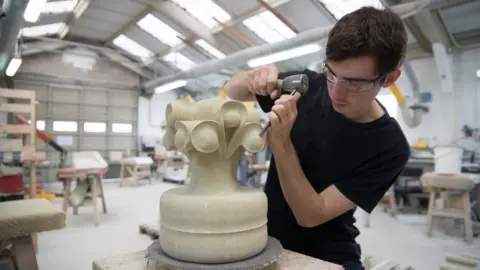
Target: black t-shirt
361, 159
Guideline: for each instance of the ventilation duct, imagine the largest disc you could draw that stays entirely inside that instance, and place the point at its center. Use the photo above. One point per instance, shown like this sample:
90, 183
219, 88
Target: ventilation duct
10, 26
242, 57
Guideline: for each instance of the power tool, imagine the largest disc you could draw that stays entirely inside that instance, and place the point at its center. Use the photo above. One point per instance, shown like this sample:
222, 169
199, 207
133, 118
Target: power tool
294, 84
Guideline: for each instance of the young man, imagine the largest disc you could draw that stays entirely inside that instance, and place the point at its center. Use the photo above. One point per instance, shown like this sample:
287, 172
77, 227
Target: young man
336, 147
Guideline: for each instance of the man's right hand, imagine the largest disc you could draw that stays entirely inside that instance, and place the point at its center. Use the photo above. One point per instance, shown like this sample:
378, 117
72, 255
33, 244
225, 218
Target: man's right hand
262, 81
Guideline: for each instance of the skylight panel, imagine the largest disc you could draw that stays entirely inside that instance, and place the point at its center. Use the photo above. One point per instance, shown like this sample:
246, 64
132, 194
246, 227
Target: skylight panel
341, 7
57, 7
159, 30
268, 27
209, 48
179, 60
204, 11
132, 47
42, 30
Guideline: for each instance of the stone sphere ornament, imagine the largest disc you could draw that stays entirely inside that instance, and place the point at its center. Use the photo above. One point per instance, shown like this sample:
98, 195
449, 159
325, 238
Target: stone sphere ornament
212, 219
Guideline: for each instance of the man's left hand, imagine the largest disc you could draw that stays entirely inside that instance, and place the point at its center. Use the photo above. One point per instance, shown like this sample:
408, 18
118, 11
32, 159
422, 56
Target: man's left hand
282, 117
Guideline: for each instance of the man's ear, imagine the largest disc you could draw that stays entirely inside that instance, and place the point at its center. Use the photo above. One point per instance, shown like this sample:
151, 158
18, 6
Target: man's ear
392, 78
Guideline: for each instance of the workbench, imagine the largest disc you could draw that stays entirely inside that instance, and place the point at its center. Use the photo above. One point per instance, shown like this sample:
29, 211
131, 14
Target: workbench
136, 261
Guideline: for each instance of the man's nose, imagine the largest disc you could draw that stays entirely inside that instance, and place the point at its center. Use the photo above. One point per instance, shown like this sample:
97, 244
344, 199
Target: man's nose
338, 91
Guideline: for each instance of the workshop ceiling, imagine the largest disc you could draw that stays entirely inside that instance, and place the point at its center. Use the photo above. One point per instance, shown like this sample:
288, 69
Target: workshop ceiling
156, 38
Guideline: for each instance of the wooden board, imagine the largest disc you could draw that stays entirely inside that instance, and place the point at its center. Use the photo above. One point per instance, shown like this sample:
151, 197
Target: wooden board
137, 261
16, 108
16, 129
17, 93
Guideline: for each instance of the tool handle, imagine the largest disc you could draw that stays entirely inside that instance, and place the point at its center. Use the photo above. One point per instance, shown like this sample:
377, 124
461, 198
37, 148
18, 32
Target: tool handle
279, 85
264, 130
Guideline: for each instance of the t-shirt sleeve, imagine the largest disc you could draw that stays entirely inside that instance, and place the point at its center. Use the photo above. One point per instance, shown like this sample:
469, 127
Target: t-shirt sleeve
266, 103
368, 185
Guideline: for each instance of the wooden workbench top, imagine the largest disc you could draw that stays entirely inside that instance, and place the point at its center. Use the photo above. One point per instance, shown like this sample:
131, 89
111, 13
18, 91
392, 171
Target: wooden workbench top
136, 261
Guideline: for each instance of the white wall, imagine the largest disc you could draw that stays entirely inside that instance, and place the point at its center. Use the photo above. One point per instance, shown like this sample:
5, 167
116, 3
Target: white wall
448, 111
151, 113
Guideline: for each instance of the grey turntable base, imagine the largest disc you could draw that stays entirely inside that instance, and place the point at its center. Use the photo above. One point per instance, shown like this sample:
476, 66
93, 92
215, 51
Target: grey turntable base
269, 255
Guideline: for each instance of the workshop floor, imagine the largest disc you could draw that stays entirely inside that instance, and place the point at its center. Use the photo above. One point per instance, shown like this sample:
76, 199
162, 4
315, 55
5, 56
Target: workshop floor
77, 245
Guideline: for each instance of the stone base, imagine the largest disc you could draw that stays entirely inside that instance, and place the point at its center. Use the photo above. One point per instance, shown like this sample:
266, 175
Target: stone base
269, 255
213, 248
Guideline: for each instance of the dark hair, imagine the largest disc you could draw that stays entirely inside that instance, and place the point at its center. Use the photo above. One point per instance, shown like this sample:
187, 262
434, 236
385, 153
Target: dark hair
369, 31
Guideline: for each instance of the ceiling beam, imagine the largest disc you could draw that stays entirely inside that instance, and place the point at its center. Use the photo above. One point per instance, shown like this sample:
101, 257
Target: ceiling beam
431, 26
129, 24
77, 12
447, 4
418, 34
414, 28
37, 47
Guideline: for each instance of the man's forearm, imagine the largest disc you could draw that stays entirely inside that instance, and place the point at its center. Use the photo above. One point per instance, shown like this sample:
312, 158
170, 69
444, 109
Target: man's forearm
237, 89
302, 198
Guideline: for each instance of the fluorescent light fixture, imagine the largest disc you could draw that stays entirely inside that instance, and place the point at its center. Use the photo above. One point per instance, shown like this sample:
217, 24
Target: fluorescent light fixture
160, 30
33, 10
268, 27
170, 86
58, 7
43, 30
179, 60
80, 8
209, 48
478, 73
13, 66
132, 47
284, 55
204, 11
63, 31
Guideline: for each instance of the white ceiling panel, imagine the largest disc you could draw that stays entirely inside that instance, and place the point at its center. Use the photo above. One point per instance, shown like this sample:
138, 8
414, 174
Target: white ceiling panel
146, 40
126, 7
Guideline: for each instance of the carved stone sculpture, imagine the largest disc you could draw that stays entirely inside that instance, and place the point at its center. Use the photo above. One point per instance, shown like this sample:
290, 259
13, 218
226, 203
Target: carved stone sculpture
213, 219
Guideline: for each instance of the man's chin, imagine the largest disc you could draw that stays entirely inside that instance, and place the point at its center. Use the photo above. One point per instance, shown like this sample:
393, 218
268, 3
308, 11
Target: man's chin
340, 108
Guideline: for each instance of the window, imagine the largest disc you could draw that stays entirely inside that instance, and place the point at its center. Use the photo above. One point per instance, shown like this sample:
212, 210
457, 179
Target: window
57, 7
389, 101
65, 126
43, 30
40, 124
268, 27
209, 48
132, 47
179, 60
340, 8
204, 11
160, 30
121, 128
94, 127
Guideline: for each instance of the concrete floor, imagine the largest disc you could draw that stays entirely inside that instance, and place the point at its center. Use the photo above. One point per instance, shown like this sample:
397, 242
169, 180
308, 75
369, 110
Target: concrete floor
77, 245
